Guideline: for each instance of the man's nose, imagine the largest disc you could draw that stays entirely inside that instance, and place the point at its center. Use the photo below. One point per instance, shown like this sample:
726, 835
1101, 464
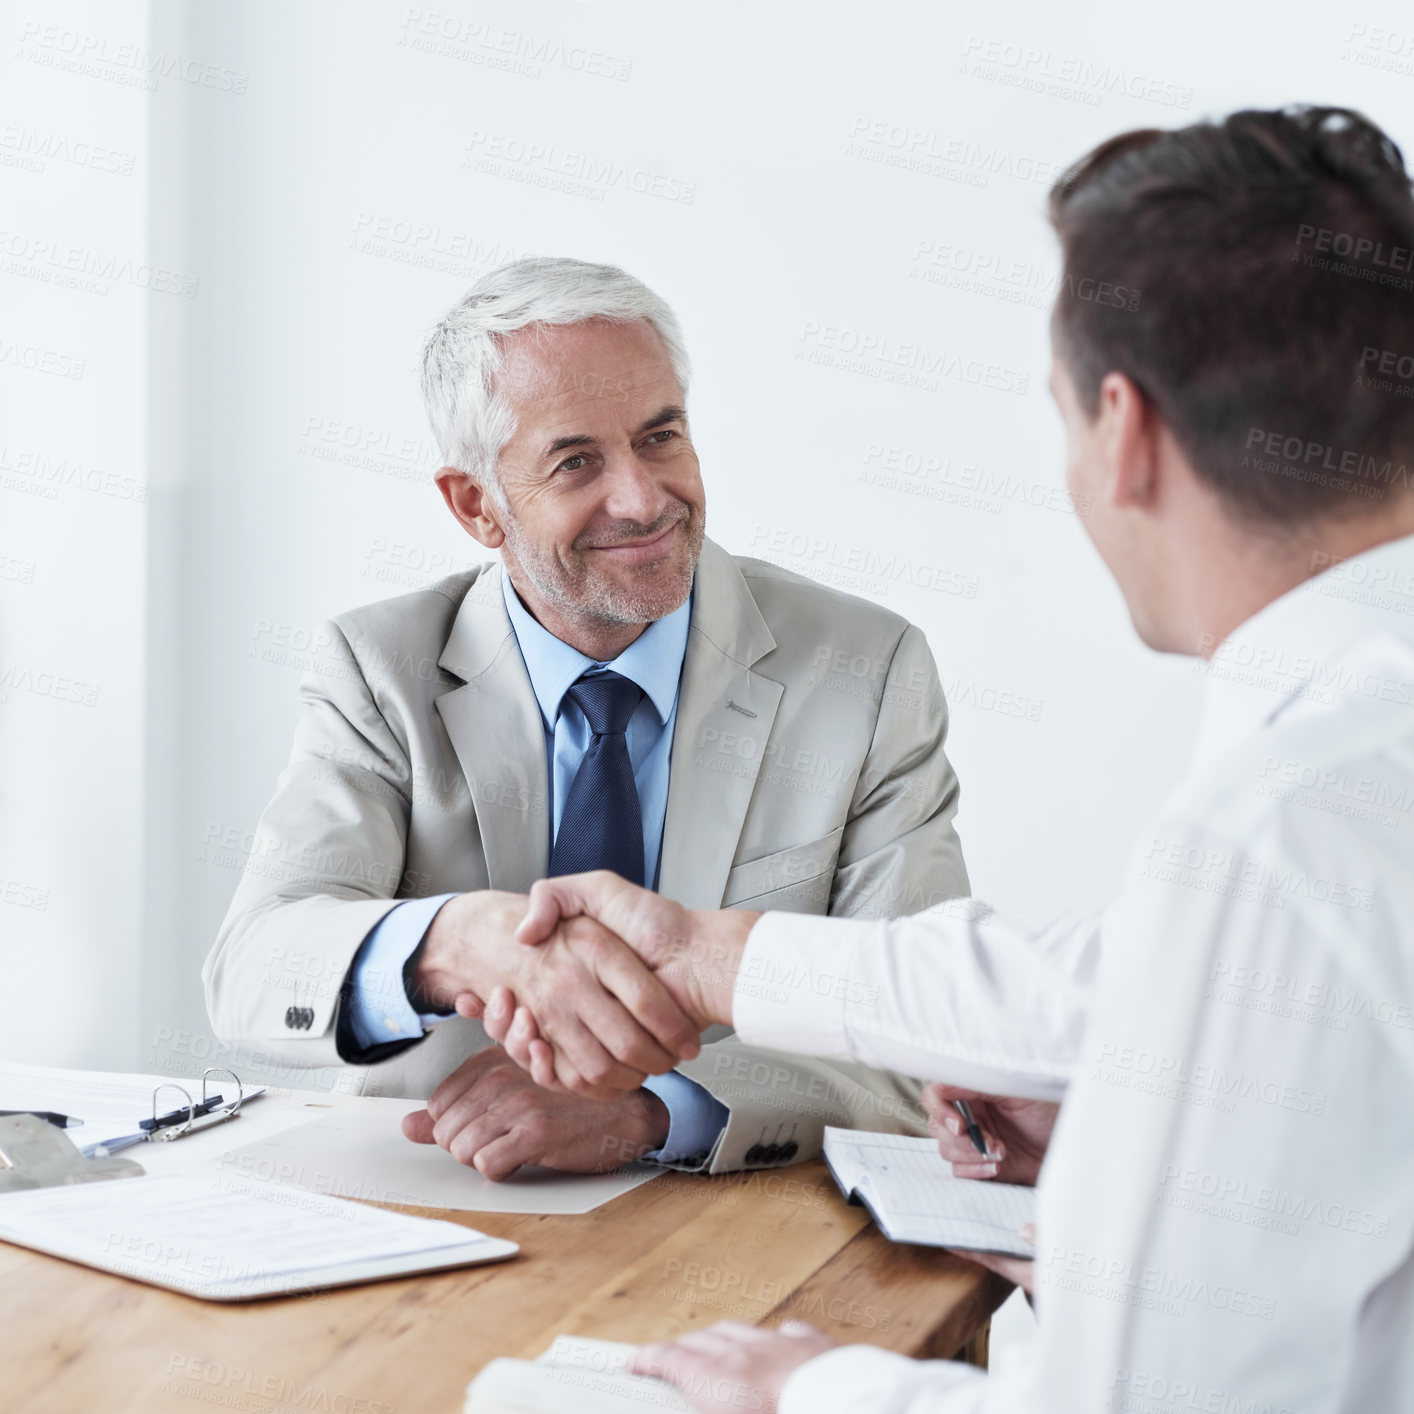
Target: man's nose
633, 490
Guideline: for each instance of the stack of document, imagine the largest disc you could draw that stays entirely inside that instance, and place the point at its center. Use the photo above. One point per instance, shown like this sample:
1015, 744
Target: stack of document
198, 1223
575, 1376
232, 1241
911, 1193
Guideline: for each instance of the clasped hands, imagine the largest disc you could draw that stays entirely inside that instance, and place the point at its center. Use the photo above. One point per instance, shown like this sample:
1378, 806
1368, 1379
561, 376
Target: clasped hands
693, 956
595, 1018
616, 985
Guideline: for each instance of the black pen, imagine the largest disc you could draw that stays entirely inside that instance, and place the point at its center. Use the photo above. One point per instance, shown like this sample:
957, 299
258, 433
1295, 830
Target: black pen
58, 1120
973, 1133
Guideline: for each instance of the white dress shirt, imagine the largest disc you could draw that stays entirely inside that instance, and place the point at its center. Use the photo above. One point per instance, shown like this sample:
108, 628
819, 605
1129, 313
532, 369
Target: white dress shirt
1226, 1215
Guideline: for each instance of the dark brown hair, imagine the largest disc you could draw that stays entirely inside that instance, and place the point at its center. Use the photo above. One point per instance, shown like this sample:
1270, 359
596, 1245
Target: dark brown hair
1265, 266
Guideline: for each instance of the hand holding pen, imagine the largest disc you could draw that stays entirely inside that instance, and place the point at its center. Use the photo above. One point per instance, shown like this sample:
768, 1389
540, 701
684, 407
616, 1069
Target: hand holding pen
989, 1136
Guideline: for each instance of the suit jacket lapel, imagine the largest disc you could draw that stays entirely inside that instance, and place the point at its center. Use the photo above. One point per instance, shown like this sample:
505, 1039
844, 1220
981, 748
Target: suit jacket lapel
497, 732
725, 714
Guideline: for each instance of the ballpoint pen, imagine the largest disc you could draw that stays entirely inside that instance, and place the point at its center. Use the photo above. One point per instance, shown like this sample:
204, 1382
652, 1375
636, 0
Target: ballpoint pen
973, 1132
104, 1147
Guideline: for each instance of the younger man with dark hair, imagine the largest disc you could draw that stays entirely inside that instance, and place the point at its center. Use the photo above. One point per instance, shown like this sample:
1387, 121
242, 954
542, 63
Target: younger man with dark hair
1225, 1214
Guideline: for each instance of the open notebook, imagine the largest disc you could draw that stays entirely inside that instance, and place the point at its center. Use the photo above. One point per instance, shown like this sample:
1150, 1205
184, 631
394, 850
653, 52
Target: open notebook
232, 1241
910, 1190
575, 1376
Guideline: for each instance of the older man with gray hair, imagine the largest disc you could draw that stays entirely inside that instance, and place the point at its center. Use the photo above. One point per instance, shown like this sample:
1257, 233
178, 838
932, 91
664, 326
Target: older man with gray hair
618, 692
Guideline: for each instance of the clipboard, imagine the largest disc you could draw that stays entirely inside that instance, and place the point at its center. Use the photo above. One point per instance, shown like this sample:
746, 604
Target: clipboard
34, 1154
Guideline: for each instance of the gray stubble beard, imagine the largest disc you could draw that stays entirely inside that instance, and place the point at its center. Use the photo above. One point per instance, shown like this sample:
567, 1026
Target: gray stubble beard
588, 599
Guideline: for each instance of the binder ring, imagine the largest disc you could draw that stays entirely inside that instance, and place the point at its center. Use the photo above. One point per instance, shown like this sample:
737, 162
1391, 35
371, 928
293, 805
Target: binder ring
231, 1110
172, 1131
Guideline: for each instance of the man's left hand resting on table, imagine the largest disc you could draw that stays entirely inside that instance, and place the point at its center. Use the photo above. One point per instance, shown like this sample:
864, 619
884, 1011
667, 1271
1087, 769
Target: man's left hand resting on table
490, 1115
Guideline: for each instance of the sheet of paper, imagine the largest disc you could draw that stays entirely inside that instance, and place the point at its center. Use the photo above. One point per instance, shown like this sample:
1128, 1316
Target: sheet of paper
201, 1230
359, 1151
911, 1189
276, 1111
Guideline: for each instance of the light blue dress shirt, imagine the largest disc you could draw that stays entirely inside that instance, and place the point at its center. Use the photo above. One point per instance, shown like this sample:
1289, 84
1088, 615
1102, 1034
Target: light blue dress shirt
377, 1009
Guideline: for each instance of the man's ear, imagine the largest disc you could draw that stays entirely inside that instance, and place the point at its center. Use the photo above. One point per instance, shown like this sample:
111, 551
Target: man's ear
477, 511
1129, 434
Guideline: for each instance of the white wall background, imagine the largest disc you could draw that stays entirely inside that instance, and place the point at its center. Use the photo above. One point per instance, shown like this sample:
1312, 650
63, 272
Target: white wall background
75, 324
833, 196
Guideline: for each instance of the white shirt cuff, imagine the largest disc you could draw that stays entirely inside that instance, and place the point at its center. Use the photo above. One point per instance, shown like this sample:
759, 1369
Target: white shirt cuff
794, 985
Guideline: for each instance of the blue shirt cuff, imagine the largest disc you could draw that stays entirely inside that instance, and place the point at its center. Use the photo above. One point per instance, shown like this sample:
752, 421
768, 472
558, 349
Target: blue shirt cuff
696, 1118
376, 1005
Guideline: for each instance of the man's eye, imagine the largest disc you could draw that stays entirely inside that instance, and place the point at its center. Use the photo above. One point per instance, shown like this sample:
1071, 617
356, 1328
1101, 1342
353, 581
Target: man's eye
572, 463
665, 435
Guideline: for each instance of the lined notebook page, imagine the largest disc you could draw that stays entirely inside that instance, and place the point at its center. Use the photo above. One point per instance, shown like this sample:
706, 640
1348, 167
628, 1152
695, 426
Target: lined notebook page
913, 1195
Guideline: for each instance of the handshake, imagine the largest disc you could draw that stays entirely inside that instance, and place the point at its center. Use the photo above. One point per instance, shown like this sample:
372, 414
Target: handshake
592, 984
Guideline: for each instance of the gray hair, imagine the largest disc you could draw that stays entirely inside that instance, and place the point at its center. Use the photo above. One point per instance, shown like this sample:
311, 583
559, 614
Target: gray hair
462, 356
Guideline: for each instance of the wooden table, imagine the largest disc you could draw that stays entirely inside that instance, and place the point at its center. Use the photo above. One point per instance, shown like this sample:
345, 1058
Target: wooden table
677, 1253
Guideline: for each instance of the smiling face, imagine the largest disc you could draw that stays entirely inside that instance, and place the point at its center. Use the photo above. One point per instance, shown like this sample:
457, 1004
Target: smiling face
602, 508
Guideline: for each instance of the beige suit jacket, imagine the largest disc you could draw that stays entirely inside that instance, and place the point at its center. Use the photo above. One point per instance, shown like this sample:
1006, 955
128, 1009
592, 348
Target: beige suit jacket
807, 774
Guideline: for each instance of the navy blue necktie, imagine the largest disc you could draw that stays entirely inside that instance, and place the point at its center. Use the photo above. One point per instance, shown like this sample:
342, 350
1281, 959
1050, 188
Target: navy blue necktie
601, 826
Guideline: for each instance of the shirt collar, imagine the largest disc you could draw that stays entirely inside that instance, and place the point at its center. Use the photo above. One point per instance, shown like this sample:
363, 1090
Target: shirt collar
653, 660
1288, 648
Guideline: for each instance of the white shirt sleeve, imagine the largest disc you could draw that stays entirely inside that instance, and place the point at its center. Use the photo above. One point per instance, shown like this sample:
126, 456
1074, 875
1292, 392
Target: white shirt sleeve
955, 993
1229, 1185
1226, 1208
